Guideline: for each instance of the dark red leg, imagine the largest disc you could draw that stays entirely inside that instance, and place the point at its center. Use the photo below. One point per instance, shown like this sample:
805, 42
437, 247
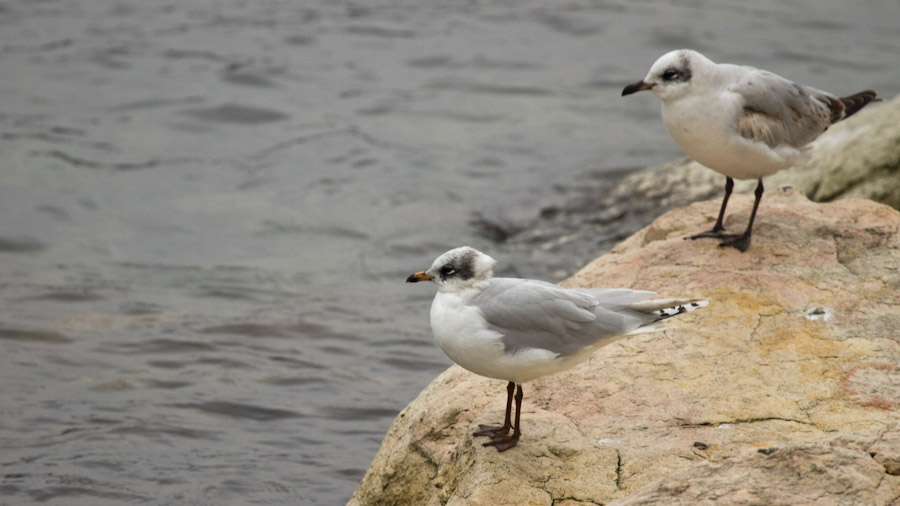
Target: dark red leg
493, 431
503, 442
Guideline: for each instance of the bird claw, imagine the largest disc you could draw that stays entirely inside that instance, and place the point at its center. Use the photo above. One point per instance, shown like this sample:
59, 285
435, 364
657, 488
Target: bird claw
738, 242
503, 443
716, 234
492, 431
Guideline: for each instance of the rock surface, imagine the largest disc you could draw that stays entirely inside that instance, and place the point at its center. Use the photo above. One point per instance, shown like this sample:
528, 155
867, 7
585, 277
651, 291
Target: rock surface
784, 390
856, 158
798, 474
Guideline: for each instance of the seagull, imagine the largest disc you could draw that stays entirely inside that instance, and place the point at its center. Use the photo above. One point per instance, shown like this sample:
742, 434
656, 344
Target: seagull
742, 122
518, 330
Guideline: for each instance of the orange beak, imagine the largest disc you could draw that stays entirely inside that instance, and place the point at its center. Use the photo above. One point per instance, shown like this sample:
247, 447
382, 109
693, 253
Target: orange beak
419, 276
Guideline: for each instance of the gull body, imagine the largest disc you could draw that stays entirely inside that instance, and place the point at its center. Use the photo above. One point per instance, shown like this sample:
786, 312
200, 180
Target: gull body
465, 335
740, 121
521, 329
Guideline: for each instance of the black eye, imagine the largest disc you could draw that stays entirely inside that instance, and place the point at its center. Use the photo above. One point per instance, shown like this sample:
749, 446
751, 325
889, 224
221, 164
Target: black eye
447, 270
670, 75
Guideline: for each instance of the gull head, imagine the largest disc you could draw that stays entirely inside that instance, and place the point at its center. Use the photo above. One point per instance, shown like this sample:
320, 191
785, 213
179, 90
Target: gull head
458, 269
673, 75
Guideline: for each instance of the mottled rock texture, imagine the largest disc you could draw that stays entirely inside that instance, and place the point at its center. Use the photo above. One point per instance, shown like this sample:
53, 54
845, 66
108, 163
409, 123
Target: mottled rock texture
784, 390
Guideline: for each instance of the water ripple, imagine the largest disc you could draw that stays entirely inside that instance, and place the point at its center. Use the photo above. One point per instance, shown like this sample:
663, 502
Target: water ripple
44, 336
161, 345
20, 244
360, 413
235, 113
240, 410
68, 296
285, 330
158, 430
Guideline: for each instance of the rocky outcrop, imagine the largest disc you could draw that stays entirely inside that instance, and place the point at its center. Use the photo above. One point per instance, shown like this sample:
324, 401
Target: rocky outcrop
855, 158
784, 390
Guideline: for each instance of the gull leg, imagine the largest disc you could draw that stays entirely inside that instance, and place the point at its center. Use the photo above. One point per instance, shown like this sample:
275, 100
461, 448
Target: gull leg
718, 228
492, 431
503, 443
742, 242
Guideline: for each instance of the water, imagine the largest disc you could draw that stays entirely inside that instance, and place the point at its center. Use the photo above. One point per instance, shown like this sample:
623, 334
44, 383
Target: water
208, 209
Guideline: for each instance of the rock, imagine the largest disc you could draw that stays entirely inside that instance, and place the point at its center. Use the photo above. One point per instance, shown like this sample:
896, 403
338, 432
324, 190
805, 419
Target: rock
856, 158
789, 378
797, 474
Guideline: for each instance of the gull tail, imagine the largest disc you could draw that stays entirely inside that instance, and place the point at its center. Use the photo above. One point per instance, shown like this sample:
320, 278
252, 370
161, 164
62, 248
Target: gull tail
667, 308
851, 104
657, 310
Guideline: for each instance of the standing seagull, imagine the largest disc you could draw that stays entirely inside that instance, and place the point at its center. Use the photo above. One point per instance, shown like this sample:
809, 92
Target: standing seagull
521, 329
741, 122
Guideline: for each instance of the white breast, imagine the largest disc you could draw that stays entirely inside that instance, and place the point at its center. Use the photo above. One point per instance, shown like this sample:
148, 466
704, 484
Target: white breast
705, 128
462, 333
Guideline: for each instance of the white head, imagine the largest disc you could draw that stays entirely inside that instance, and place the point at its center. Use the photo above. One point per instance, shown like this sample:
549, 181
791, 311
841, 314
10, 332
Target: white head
457, 269
674, 74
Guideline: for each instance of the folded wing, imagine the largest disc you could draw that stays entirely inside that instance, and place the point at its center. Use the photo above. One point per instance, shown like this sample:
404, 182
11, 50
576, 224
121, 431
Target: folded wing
778, 112
535, 314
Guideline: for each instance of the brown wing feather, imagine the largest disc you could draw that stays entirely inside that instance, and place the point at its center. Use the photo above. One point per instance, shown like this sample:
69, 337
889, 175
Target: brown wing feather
773, 130
761, 127
853, 103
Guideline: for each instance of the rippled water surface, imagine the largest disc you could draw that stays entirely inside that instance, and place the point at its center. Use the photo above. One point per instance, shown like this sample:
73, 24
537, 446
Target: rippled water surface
208, 210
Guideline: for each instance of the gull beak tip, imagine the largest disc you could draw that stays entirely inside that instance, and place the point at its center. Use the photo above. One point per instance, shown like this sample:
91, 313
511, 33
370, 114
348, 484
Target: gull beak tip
636, 87
419, 276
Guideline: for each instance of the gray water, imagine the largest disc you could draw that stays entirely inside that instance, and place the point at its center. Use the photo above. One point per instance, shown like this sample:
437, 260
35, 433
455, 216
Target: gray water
208, 210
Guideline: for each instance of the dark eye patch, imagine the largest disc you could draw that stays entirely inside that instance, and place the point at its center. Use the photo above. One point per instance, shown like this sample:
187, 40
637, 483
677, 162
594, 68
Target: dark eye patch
670, 74
461, 266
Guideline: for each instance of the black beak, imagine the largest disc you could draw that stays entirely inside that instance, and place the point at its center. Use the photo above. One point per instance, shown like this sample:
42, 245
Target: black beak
636, 87
419, 276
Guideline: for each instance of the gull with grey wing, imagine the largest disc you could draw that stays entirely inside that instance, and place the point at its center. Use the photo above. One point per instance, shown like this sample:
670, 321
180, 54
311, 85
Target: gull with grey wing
521, 329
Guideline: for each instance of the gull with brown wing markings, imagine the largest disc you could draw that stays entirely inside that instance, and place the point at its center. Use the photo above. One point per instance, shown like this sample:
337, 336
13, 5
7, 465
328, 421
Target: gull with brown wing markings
742, 122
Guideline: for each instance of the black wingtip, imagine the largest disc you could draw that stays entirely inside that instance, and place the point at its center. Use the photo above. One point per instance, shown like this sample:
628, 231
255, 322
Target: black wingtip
853, 103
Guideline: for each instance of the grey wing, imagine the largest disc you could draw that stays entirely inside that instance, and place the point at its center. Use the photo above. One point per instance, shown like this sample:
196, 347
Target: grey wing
778, 112
617, 296
534, 314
